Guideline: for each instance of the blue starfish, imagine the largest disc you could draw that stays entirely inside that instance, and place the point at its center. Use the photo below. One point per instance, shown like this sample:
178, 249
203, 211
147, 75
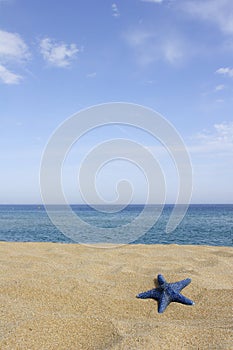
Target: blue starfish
166, 293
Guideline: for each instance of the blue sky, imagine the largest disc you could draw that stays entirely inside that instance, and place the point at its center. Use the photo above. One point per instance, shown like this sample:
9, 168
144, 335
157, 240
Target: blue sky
57, 57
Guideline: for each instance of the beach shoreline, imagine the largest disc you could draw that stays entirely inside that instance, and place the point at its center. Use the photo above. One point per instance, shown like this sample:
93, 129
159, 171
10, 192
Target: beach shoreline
71, 296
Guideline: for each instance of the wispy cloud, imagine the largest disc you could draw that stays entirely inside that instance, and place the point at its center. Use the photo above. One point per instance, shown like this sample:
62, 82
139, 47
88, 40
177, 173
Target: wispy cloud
173, 50
151, 46
224, 132
217, 140
219, 87
154, 1
8, 77
91, 75
219, 12
13, 52
225, 71
58, 54
115, 11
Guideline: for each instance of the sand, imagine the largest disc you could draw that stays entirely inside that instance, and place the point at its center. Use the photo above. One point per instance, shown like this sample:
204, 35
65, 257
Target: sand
70, 296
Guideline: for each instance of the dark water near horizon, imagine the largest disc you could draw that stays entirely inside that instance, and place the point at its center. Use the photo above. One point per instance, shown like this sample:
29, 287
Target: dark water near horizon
202, 224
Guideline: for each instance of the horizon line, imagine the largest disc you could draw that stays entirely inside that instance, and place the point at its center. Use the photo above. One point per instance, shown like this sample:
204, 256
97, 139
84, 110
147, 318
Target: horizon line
120, 204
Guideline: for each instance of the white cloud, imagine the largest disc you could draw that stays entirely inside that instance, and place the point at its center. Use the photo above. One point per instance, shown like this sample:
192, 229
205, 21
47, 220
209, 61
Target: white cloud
13, 51
9, 77
115, 11
219, 12
58, 54
12, 47
225, 71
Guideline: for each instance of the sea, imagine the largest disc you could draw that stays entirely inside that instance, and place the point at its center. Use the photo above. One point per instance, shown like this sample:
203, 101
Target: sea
203, 224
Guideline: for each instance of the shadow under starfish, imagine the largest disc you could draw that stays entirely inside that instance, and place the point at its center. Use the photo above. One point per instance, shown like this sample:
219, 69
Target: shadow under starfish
166, 293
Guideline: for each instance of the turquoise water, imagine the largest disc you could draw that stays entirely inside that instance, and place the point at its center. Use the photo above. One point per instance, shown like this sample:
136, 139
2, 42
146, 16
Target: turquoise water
202, 225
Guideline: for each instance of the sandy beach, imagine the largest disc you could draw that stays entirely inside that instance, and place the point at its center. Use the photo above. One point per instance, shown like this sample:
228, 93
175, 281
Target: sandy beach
70, 296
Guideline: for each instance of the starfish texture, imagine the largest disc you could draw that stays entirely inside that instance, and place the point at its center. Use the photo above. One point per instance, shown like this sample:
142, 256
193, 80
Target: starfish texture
166, 293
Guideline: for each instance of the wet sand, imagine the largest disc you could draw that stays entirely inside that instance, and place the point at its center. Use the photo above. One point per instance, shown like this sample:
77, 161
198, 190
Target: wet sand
70, 296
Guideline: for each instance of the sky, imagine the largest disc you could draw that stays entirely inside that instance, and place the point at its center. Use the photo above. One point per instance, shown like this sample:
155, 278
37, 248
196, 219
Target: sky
60, 57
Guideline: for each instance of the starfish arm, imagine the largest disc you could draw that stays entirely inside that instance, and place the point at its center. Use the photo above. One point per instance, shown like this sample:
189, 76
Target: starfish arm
151, 294
163, 303
178, 286
179, 298
161, 280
